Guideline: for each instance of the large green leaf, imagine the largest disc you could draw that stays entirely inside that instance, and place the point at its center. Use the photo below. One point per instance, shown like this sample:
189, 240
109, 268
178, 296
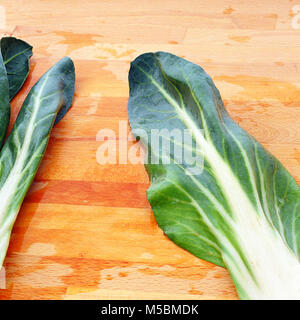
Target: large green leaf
4, 102
243, 210
26, 144
16, 54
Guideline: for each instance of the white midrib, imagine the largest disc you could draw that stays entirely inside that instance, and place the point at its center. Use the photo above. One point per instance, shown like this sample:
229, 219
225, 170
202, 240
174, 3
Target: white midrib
11, 184
275, 268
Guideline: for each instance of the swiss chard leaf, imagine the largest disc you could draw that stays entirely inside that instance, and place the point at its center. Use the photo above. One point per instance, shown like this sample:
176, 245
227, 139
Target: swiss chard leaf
243, 210
16, 54
24, 149
4, 102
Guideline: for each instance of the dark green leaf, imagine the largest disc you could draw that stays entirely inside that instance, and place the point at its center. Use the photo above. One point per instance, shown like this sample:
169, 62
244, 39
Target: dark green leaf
4, 103
16, 54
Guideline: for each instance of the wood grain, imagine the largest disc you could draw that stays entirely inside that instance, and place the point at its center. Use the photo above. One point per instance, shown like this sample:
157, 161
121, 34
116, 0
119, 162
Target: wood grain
86, 230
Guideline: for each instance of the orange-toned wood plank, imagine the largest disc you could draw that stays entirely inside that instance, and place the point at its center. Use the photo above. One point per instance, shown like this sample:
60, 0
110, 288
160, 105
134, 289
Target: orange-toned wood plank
89, 193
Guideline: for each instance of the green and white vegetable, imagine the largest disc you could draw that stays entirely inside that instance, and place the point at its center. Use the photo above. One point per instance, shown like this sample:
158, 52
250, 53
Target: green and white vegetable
24, 149
243, 211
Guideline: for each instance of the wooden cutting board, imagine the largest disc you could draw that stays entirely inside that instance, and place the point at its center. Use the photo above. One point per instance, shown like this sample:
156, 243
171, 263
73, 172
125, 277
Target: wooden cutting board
86, 230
